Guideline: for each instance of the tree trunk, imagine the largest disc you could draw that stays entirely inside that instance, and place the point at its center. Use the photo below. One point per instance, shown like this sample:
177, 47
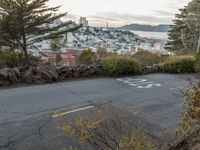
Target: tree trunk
24, 45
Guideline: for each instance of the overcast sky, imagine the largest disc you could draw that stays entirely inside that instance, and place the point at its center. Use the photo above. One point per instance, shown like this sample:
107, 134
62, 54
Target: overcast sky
121, 12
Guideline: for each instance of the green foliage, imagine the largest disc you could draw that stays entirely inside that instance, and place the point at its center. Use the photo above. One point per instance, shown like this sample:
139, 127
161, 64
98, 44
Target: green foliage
197, 62
178, 64
87, 57
184, 34
12, 59
147, 58
55, 44
24, 23
120, 66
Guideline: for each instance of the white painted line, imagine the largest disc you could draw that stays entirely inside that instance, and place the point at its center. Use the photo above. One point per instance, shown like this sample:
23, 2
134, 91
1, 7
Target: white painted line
179, 87
141, 83
119, 80
149, 86
138, 81
72, 111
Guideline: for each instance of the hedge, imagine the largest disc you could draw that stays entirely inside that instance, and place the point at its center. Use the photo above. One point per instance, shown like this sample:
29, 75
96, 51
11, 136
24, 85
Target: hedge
120, 66
179, 64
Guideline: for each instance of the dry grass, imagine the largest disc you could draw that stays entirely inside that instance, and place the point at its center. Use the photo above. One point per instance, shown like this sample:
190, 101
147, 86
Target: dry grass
106, 131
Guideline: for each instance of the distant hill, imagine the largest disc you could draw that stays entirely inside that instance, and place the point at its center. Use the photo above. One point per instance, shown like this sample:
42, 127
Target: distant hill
150, 28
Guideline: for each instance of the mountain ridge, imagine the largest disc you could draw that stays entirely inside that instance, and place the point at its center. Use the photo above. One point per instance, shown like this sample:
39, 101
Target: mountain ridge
148, 28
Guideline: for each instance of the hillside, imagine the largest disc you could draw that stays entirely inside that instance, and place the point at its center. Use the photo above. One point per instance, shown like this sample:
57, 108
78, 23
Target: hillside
150, 28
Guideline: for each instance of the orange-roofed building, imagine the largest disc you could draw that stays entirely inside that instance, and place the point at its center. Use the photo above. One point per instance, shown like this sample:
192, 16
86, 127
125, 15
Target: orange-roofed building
68, 58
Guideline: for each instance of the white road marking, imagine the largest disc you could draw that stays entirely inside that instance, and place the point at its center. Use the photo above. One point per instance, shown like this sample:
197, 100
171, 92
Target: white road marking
73, 111
149, 86
179, 87
139, 83
119, 80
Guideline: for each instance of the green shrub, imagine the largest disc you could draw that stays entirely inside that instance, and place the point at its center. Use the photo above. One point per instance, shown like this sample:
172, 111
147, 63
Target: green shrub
147, 58
197, 62
87, 57
10, 59
120, 65
178, 64
13, 59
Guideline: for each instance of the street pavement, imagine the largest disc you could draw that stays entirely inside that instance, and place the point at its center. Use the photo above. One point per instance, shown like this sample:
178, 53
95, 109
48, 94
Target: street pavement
28, 115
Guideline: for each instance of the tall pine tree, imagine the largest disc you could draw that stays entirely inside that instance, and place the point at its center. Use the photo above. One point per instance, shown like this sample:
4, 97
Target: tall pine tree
185, 32
24, 23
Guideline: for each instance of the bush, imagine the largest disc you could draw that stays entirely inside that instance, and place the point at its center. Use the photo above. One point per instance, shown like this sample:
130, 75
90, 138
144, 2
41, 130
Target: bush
10, 59
13, 59
197, 62
178, 64
191, 118
120, 65
147, 58
87, 57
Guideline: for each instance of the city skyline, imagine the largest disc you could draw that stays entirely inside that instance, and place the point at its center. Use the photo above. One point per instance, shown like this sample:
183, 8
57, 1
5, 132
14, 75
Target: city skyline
119, 13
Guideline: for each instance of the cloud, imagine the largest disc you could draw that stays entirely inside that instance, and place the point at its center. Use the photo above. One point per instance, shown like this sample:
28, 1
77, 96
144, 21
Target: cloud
121, 12
124, 18
163, 13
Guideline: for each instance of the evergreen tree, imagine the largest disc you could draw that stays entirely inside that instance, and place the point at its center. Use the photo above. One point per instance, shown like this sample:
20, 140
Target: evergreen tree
185, 32
24, 23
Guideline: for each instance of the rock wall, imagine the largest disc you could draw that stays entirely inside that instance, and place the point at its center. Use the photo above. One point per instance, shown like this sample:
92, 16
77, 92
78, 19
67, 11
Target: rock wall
49, 74
151, 69
46, 74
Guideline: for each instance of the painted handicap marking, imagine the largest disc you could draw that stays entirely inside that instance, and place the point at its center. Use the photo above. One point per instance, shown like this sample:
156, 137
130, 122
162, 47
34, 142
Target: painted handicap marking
140, 83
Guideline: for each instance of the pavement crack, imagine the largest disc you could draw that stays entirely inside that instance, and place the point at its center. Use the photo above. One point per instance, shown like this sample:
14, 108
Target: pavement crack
84, 98
10, 144
72, 92
42, 126
75, 93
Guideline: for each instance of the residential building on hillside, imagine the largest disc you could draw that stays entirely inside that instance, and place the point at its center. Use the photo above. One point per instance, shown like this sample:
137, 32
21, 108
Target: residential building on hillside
112, 39
68, 58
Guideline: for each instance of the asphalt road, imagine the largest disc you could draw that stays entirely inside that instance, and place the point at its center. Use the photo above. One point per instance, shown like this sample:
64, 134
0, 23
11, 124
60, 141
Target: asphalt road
26, 121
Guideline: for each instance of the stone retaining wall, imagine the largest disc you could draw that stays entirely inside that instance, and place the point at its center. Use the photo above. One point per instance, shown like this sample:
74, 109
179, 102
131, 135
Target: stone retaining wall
46, 74
49, 74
